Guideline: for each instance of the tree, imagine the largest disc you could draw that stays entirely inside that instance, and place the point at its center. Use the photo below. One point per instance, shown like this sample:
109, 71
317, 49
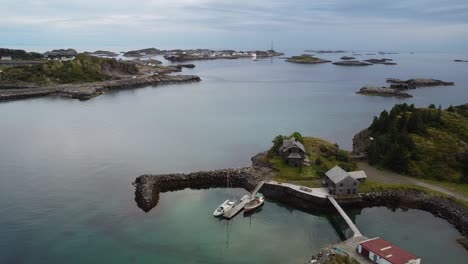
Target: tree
298, 136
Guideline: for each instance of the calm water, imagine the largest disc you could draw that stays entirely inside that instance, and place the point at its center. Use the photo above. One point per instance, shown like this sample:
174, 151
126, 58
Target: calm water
66, 166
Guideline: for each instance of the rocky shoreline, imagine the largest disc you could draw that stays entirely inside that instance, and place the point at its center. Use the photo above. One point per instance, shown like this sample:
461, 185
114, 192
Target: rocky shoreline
87, 91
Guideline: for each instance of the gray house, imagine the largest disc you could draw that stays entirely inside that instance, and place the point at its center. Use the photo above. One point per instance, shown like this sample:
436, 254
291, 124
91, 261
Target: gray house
293, 152
340, 182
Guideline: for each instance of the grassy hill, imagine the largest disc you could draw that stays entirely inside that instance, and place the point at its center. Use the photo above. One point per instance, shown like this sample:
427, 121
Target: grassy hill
83, 68
323, 156
428, 142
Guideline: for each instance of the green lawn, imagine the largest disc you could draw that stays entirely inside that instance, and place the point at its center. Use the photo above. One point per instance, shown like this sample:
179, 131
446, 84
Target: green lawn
323, 156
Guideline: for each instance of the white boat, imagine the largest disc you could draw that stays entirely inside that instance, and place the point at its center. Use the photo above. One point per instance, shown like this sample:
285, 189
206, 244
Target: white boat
254, 203
224, 207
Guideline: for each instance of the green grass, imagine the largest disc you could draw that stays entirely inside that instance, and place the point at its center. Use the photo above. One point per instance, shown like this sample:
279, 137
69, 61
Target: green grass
323, 156
461, 188
304, 58
371, 186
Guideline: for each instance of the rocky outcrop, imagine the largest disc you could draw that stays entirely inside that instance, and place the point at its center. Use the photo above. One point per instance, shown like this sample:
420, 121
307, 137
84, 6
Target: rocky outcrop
460, 60
383, 91
415, 83
361, 142
347, 58
352, 63
61, 53
306, 59
102, 53
186, 65
89, 90
383, 61
142, 53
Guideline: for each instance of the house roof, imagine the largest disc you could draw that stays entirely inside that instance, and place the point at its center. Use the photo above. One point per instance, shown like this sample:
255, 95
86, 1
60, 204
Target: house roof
388, 251
291, 143
357, 175
336, 174
294, 156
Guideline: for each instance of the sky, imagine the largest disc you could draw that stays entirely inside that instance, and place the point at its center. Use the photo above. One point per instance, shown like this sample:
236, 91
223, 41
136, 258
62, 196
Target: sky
396, 25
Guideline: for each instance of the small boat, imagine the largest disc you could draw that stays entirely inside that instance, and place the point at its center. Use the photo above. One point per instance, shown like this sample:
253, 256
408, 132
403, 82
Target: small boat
224, 207
254, 203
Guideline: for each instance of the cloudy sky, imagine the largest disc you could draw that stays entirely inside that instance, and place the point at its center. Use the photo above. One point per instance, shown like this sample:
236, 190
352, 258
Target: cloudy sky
399, 25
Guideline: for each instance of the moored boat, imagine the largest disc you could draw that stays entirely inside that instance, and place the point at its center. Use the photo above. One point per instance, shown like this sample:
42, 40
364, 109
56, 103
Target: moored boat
254, 203
224, 207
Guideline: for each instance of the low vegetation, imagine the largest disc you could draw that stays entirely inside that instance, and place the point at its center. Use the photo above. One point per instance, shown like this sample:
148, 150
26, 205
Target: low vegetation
306, 58
83, 68
423, 142
322, 154
341, 259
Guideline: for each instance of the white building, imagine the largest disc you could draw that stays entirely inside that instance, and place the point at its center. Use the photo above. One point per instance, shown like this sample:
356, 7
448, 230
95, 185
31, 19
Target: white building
6, 58
381, 251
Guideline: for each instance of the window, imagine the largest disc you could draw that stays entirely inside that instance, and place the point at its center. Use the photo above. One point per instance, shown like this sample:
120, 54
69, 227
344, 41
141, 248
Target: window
341, 184
354, 184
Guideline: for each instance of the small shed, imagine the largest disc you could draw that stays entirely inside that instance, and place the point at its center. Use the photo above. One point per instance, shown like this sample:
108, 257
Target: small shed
380, 251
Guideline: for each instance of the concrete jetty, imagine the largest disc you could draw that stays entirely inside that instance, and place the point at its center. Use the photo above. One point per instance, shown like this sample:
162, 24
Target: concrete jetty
356, 232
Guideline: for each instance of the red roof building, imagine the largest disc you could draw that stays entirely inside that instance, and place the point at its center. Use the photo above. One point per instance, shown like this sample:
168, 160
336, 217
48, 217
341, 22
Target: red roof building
381, 251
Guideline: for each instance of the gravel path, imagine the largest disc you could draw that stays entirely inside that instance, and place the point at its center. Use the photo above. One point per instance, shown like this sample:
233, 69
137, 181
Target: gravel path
385, 176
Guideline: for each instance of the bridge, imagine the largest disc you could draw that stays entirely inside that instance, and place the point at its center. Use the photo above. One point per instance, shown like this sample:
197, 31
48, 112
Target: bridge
356, 232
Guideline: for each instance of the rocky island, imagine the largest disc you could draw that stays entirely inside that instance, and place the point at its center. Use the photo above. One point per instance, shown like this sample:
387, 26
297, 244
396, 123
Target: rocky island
383, 91
102, 53
416, 83
306, 59
82, 76
352, 63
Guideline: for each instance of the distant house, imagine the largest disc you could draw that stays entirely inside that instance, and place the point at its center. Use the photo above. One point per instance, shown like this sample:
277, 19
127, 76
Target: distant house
340, 182
293, 152
6, 58
381, 251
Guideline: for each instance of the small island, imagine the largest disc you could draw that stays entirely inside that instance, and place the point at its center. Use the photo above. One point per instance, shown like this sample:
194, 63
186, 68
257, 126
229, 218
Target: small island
416, 83
352, 63
306, 59
82, 76
383, 91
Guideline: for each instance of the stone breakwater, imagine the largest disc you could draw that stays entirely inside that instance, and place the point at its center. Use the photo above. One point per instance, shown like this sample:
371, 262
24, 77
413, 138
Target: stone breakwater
148, 187
86, 91
445, 208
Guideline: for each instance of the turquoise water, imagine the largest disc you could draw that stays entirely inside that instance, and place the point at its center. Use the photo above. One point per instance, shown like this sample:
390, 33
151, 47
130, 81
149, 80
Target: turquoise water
66, 166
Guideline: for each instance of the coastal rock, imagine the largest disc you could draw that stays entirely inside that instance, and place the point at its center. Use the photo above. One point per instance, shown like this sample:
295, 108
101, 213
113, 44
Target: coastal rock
347, 58
61, 53
142, 52
352, 63
361, 142
102, 53
383, 91
381, 61
306, 59
445, 208
86, 91
418, 82
187, 65
460, 60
